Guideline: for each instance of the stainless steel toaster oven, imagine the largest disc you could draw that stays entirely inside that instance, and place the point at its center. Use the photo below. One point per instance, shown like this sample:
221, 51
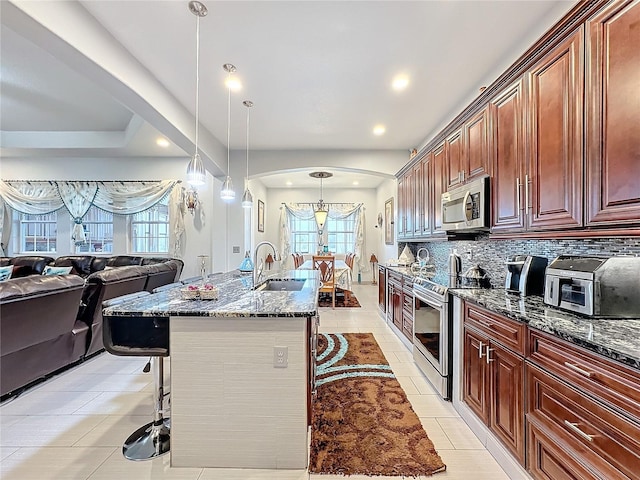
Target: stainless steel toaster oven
594, 286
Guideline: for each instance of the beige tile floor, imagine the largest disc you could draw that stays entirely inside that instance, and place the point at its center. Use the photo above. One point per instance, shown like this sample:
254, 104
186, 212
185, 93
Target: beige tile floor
72, 426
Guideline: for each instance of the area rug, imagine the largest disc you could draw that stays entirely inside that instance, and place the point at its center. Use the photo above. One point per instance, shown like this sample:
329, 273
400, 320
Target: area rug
341, 301
362, 422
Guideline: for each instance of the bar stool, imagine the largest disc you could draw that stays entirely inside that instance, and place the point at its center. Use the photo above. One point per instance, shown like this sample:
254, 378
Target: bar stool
142, 337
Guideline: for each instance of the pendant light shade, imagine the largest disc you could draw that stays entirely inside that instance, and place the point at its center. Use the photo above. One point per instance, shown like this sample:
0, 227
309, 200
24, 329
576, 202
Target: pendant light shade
247, 198
321, 210
227, 193
196, 174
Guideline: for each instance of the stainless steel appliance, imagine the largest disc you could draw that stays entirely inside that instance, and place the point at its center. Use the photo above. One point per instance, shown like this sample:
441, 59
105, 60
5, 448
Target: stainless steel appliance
525, 274
595, 286
466, 208
432, 330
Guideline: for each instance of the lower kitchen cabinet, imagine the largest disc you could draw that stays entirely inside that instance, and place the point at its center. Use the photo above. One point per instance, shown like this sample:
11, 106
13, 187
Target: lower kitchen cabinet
382, 290
493, 375
587, 404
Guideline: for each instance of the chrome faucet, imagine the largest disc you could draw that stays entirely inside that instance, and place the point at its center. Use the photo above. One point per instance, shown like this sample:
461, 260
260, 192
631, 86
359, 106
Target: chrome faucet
257, 272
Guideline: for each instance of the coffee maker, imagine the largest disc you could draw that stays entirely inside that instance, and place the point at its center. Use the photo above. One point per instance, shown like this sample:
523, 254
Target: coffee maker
525, 274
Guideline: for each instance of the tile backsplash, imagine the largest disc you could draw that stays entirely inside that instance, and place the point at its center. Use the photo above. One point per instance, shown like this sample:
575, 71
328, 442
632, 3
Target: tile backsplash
491, 254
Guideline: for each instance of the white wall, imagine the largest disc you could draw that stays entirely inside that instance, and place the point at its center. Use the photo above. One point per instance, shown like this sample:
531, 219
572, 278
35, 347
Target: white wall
388, 189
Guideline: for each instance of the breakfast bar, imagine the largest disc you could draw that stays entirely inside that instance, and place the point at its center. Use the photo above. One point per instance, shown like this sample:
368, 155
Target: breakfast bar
240, 369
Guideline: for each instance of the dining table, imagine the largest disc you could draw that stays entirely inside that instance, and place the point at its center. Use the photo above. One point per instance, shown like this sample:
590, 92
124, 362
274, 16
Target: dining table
342, 274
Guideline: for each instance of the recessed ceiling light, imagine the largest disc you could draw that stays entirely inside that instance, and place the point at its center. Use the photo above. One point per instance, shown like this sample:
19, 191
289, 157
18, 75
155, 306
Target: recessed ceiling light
162, 142
400, 82
288, 183
379, 130
356, 182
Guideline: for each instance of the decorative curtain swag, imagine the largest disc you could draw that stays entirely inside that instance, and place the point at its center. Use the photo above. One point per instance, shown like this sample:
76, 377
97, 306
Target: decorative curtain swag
117, 197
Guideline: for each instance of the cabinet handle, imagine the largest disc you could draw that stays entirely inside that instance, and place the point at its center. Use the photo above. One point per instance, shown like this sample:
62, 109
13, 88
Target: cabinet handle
480, 346
488, 357
576, 368
574, 428
526, 192
518, 194
462, 172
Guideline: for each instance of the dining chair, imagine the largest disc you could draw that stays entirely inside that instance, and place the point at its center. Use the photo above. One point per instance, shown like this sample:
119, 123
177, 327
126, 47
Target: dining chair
326, 266
348, 259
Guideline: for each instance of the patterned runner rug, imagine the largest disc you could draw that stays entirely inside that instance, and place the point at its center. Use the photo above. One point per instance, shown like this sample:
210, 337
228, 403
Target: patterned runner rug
362, 422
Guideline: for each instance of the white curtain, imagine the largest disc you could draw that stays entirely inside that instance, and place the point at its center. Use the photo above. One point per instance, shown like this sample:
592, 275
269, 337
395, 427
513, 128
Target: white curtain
42, 197
177, 210
304, 211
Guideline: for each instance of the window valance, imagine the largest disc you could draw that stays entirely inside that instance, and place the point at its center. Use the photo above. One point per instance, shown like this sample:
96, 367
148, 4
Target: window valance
304, 211
117, 197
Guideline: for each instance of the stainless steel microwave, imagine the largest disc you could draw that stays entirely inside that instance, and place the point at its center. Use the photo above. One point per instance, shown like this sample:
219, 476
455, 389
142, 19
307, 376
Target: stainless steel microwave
466, 208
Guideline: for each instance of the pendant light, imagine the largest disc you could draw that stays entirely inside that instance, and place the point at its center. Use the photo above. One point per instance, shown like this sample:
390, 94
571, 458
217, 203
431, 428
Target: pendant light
227, 192
321, 210
195, 169
247, 198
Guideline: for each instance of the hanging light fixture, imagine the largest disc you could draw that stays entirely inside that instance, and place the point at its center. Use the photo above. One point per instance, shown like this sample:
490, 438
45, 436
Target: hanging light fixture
247, 198
195, 169
321, 210
227, 192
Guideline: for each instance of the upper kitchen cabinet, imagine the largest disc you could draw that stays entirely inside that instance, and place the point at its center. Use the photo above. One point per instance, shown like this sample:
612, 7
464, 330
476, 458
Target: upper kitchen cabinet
439, 185
507, 127
427, 194
554, 177
454, 159
613, 115
476, 154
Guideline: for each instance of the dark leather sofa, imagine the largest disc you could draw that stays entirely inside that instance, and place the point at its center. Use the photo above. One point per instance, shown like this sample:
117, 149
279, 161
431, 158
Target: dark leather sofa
26, 265
40, 333
51, 321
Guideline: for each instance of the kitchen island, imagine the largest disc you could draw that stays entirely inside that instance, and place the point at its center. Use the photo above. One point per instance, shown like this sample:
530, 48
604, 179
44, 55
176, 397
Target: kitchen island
240, 370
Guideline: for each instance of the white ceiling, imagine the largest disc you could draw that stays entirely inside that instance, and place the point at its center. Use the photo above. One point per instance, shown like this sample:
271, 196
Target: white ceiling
319, 72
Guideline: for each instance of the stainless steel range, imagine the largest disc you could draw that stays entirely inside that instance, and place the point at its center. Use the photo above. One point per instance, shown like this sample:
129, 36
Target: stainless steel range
432, 333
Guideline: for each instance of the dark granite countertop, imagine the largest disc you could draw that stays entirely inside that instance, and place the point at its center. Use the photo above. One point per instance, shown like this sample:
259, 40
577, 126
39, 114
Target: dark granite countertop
235, 299
618, 339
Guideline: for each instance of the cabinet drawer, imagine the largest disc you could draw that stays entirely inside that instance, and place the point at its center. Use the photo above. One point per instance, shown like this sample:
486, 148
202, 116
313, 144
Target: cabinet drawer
613, 383
604, 441
547, 459
508, 332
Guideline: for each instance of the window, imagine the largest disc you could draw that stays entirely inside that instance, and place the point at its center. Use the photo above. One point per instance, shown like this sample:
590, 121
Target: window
98, 232
38, 232
304, 235
340, 234
150, 229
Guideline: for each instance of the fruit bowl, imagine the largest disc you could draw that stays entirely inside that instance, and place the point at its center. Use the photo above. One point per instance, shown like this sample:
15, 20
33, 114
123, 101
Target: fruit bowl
202, 292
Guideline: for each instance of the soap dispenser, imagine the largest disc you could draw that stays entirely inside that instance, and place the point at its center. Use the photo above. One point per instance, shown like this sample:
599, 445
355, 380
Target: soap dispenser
247, 263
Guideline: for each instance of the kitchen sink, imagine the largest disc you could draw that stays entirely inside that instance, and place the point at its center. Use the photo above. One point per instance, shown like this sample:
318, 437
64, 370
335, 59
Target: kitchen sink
289, 285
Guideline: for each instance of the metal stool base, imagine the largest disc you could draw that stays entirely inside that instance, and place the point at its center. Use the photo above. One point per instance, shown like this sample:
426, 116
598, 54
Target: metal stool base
148, 442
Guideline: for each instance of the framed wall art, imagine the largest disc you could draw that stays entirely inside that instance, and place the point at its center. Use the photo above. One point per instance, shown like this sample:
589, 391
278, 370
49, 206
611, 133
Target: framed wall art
389, 223
260, 216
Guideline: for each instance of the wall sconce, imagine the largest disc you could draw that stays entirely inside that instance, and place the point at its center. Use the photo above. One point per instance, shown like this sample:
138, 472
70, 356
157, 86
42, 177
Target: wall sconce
373, 261
191, 200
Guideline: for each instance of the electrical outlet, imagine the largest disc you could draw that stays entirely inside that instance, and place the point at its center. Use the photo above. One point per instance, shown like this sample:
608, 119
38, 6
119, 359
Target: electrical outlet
280, 357
236, 249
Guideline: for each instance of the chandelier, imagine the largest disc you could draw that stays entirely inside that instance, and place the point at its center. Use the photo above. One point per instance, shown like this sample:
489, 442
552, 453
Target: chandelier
320, 210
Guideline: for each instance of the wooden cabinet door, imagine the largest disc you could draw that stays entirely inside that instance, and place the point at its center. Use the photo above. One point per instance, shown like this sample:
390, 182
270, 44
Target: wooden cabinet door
553, 184
439, 185
401, 221
417, 199
476, 151
382, 290
507, 151
427, 194
613, 115
475, 379
454, 160
408, 203
507, 398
